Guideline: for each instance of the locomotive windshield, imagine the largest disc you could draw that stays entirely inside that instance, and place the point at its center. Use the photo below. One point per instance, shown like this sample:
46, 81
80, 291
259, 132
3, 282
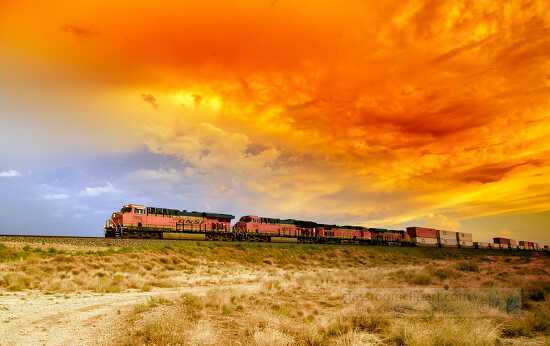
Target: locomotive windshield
126, 210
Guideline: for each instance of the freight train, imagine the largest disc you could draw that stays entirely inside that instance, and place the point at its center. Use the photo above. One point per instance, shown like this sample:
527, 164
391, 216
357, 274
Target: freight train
138, 221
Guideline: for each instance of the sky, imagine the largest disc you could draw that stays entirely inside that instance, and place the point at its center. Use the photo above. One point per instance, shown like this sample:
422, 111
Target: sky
386, 114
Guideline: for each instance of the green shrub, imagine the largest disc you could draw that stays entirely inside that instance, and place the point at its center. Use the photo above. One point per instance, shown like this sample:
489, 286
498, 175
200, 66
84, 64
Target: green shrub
412, 277
528, 324
536, 292
444, 273
443, 332
467, 266
227, 309
16, 281
357, 320
421, 279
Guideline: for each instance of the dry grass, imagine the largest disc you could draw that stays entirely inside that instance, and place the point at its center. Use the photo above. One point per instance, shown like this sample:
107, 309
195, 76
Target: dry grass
307, 295
445, 331
332, 307
289, 316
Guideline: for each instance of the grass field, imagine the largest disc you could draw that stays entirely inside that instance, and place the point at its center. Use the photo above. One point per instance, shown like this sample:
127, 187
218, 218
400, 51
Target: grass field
286, 294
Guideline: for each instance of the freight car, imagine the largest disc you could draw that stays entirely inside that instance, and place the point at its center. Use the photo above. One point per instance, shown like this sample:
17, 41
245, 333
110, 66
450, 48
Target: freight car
482, 245
527, 245
138, 221
503, 243
465, 240
422, 236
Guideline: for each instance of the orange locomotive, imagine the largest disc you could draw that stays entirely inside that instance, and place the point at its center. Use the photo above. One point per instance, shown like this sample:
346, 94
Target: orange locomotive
138, 221
263, 229
345, 234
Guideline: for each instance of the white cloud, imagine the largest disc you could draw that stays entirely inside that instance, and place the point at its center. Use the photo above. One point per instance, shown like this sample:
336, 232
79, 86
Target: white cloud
10, 174
56, 197
99, 190
170, 176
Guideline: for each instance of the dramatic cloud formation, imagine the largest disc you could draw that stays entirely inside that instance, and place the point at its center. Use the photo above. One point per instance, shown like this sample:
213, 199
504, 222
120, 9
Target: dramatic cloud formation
355, 112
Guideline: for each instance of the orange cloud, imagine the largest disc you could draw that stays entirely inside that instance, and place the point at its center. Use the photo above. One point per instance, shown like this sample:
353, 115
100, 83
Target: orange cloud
363, 111
79, 31
150, 99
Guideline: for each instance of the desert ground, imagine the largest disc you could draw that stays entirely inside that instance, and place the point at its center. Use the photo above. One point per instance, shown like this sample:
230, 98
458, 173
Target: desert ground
68, 291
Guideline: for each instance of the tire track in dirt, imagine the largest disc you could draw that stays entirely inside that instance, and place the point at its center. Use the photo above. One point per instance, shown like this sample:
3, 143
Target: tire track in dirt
34, 318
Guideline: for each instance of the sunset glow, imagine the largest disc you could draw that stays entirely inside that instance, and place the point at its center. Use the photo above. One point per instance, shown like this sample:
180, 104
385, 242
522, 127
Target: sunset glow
359, 112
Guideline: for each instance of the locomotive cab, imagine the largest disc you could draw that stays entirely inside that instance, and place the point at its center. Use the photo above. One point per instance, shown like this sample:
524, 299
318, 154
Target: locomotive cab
246, 223
133, 209
115, 225
249, 218
126, 209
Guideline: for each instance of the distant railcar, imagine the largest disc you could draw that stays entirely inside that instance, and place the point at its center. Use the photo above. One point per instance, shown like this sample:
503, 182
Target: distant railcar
447, 238
503, 243
482, 245
465, 240
527, 245
422, 236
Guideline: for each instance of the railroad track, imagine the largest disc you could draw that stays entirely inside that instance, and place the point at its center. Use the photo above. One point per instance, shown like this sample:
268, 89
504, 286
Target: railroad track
47, 236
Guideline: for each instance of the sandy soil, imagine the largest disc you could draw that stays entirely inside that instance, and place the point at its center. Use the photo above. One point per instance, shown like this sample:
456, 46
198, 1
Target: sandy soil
32, 318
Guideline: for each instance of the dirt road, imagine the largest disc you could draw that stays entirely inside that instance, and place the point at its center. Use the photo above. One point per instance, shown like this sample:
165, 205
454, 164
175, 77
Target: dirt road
33, 318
